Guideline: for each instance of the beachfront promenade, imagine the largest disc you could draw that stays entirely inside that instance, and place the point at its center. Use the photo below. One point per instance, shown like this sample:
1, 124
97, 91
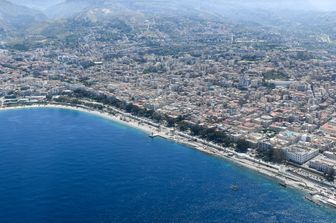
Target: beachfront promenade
323, 193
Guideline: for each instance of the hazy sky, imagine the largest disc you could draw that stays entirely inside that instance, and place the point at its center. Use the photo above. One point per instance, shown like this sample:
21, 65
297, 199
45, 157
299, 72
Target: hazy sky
323, 4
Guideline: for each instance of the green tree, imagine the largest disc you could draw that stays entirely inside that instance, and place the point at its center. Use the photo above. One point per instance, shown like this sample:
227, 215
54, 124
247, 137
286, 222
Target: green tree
277, 155
242, 146
330, 174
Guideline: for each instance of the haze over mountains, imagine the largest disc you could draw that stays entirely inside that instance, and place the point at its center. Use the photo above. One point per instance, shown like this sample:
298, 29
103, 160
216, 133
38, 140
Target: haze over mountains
18, 15
37, 4
15, 17
65, 8
315, 5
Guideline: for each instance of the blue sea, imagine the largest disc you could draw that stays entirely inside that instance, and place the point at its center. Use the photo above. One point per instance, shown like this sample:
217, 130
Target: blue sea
67, 166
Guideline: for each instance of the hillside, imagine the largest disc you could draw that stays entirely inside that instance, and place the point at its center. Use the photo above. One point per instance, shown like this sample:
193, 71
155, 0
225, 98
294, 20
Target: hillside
19, 17
70, 8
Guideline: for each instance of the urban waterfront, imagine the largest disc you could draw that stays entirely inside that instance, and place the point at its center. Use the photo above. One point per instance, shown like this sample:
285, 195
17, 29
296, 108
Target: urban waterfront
66, 166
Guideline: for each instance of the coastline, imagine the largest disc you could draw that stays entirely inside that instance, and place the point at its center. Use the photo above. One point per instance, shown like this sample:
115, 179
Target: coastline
275, 172
81, 109
147, 129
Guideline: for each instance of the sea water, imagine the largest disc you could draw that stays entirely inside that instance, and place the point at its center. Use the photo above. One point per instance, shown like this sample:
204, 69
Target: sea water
64, 166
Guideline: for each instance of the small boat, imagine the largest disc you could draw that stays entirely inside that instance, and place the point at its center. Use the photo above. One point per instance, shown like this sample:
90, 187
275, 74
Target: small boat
234, 187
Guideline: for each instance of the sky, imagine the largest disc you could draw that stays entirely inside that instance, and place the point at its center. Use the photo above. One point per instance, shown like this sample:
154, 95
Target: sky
325, 5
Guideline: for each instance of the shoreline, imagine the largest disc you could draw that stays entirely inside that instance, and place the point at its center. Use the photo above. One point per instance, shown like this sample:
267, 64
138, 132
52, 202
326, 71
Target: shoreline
274, 172
84, 110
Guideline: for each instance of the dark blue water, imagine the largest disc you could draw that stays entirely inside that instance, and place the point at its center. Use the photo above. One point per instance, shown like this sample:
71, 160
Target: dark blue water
66, 166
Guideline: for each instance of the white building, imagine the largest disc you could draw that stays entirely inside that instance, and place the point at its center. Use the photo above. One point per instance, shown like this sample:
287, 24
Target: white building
322, 164
300, 154
330, 155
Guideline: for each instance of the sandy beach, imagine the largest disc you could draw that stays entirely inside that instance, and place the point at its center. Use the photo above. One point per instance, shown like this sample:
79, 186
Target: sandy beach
118, 119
